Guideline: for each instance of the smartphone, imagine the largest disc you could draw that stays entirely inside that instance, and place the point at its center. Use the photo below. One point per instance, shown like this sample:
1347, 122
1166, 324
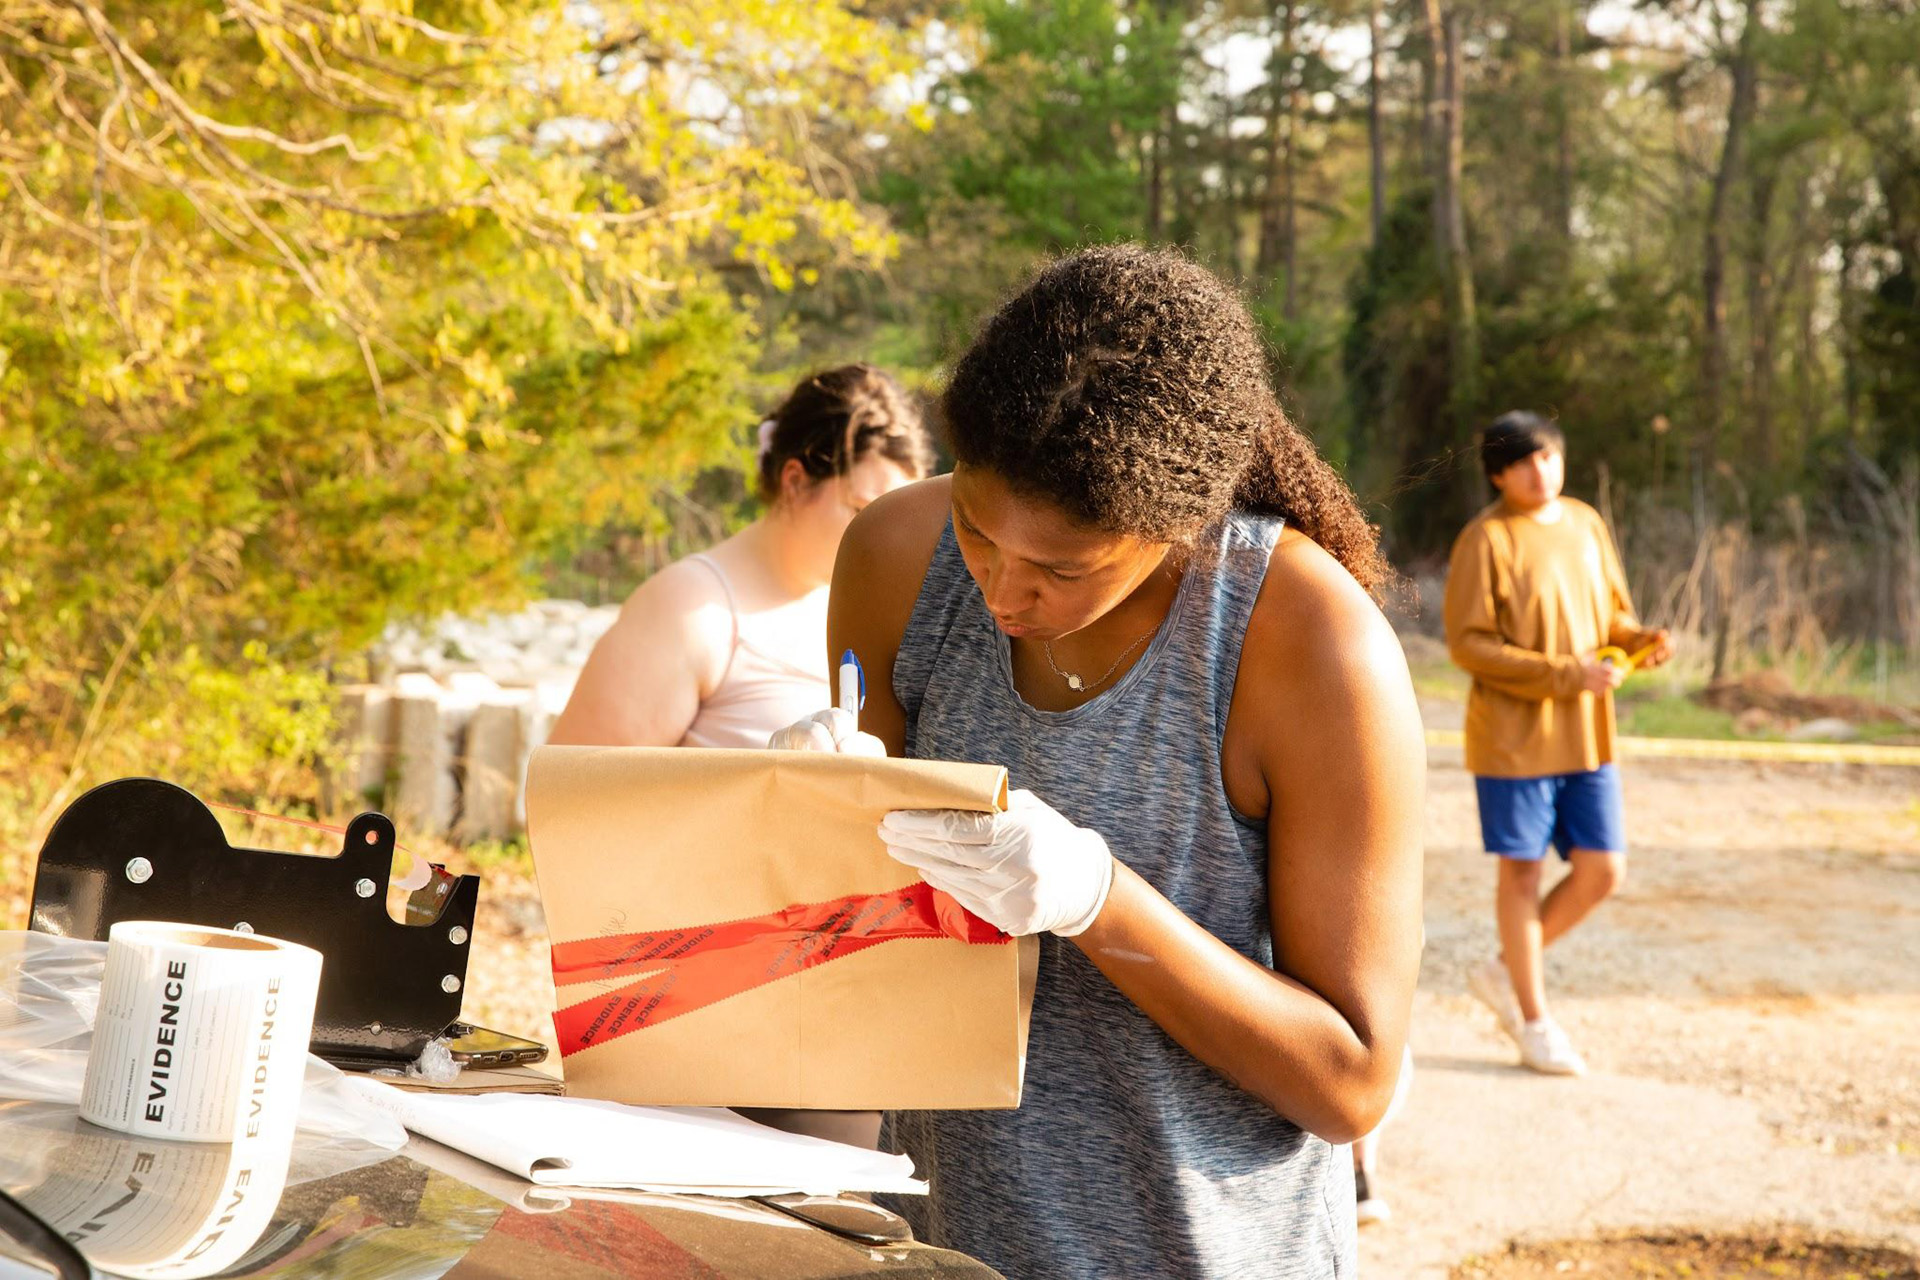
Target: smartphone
473, 1046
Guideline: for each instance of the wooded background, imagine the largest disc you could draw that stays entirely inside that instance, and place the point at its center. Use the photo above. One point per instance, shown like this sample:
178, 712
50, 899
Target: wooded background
317, 315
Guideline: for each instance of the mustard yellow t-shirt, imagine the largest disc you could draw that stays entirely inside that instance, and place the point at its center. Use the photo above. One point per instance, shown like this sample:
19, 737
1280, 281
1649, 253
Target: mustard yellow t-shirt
1526, 602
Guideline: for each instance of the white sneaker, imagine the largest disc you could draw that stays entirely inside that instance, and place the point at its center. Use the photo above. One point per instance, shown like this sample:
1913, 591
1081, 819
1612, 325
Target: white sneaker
1370, 1207
1488, 983
1545, 1048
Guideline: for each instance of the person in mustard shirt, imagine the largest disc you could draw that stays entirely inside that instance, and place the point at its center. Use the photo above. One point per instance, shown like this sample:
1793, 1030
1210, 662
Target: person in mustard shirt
1535, 592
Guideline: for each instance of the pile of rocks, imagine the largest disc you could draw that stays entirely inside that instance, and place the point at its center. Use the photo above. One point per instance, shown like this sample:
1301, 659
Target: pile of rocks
441, 737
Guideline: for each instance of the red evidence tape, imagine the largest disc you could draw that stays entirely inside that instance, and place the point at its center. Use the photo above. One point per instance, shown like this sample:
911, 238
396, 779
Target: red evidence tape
691, 968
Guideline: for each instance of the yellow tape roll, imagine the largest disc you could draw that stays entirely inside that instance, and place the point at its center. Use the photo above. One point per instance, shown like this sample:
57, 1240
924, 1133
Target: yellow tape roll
1614, 656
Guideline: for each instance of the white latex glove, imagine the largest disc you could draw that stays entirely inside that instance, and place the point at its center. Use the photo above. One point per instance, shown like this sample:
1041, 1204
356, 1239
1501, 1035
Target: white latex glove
1027, 870
831, 730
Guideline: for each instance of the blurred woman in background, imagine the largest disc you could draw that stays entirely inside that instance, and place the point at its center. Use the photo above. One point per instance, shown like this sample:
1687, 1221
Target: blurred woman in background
724, 647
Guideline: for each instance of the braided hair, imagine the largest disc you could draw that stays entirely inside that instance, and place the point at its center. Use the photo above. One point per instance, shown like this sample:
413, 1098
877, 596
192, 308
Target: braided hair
1128, 386
833, 420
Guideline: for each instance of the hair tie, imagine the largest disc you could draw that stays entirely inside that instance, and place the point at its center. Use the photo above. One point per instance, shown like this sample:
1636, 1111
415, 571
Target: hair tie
767, 426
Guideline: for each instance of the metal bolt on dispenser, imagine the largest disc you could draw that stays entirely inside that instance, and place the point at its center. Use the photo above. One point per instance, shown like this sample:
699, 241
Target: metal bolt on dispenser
457, 935
139, 870
449, 984
364, 887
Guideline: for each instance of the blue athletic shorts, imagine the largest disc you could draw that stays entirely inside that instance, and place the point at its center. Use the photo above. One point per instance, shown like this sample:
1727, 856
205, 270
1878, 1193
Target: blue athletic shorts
1520, 817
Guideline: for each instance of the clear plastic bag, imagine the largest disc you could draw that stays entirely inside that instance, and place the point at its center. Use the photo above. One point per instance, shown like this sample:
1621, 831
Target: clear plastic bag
49, 994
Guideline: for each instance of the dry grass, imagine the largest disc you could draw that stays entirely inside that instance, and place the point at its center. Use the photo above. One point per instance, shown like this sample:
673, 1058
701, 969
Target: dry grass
1829, 613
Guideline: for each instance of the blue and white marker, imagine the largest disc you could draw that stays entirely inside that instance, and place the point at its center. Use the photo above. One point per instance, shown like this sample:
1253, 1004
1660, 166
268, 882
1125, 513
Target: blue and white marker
853, 686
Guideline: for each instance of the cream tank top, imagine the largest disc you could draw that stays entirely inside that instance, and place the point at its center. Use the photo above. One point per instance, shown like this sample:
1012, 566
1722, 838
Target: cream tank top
776, 671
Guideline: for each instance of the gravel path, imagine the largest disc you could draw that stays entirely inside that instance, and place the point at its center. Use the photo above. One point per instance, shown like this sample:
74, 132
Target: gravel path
1749, 1005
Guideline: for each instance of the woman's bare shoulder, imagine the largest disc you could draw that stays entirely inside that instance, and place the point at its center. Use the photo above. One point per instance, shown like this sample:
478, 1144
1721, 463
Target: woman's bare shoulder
648, 673
889, 545
1317, 637
682, 609
684, 584
1322, 679
1315, 595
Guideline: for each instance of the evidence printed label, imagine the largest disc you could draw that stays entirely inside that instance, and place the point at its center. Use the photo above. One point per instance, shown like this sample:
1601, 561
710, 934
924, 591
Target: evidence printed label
262, 1057
165, 1035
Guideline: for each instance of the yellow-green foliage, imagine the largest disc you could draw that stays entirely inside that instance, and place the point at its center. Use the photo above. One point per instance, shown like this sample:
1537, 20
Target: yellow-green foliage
317, 311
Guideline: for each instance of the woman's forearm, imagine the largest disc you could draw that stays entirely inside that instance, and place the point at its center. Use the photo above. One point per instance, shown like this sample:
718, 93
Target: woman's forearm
1263, 1031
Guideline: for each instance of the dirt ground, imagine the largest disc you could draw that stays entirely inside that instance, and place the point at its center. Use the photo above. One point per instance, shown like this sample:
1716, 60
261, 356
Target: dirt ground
1694, 1256
1749, 1006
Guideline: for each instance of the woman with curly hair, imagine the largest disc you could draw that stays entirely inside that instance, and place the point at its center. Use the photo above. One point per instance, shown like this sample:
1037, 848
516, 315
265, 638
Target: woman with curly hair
1144, 593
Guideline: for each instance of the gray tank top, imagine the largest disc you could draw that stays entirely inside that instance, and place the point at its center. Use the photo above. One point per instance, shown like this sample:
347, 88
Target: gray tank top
1127, 1157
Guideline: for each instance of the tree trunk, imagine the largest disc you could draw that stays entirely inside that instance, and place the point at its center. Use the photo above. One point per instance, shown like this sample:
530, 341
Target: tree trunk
1181, 191
1433, 108
1463, 328
1849, 338
1278, 196
1376, 145
1713, 269
1446, 119
1806, 289
1760, 322
1240, 182
1155, 143
1455, 157
1563, 117
1289, 226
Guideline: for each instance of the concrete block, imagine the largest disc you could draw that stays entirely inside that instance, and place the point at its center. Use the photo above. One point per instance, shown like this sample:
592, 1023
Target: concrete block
366, 742
493, 767
416, 684
537, 725
427, 733
471, 686
511, 673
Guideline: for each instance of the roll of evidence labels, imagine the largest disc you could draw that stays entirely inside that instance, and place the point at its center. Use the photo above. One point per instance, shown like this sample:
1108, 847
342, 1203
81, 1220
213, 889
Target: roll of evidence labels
202, 1034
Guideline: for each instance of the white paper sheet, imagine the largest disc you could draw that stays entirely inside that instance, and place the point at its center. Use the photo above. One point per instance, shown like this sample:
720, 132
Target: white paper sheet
577, 1142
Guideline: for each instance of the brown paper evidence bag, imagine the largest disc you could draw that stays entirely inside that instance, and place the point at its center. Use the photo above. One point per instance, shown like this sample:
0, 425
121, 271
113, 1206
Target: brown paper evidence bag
728, 930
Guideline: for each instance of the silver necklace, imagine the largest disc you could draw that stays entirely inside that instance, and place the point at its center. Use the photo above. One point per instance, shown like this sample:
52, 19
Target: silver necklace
1078, 684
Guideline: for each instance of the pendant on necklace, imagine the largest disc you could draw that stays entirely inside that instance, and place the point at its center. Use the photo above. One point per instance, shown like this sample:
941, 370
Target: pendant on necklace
1075, 683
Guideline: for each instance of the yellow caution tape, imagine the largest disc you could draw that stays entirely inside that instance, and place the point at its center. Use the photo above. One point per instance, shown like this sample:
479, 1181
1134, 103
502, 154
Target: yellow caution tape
1720, 749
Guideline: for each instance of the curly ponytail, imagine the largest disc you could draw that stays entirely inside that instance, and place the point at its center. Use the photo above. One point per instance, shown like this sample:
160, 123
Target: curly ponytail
1288, 478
